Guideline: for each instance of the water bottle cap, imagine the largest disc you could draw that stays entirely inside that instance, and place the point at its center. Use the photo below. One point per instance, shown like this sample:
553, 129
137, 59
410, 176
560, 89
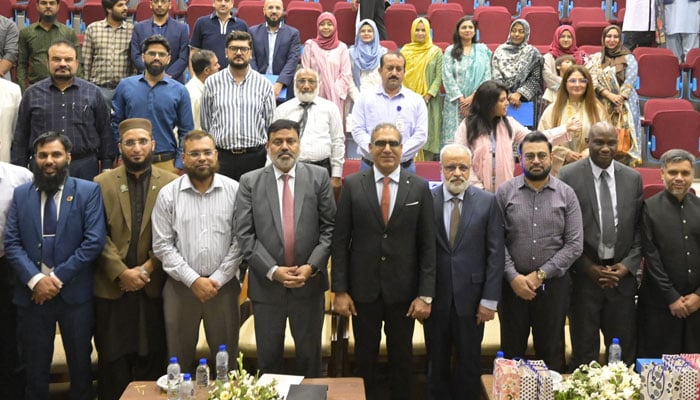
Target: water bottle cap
202, 361
187, 377
616, 341
222, 347
499, 354
173, 360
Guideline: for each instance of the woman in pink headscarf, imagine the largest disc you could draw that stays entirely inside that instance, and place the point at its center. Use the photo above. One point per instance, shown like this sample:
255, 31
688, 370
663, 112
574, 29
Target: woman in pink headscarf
563, 43
330, 57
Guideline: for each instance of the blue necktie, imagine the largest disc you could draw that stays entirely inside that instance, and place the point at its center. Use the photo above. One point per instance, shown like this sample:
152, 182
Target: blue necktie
50, 221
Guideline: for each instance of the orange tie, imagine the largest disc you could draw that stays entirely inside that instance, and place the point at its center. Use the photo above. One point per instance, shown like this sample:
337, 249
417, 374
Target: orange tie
386, 200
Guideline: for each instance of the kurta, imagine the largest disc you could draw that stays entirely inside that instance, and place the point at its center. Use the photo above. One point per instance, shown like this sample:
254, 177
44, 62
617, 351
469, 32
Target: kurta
433, 78
333, 67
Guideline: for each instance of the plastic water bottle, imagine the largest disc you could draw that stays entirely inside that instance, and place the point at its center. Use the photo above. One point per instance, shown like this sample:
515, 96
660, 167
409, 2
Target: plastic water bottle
222, 364
614, 351
187, 388
499, 354
173, 379
202, 373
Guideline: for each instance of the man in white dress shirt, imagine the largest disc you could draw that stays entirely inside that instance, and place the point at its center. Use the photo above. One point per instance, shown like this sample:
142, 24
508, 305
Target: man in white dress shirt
204, 63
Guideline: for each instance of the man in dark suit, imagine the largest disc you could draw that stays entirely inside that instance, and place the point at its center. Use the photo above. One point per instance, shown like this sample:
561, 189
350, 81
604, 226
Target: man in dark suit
53, 253
129, 325
470, 262
604, 277
177, 33
283, 58
384, 260
284, 217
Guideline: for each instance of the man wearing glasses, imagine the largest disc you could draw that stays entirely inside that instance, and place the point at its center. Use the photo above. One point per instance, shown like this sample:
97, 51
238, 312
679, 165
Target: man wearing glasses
544, 236
237, 108
162, 100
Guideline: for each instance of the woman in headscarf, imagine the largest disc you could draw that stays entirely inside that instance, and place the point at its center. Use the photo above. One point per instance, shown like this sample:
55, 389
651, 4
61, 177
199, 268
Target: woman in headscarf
465, 65
518, 65
563, 43
424, 76
614, 72
365, 55
331, 59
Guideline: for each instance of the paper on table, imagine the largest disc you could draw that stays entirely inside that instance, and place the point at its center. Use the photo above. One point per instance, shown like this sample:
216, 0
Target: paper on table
283, 381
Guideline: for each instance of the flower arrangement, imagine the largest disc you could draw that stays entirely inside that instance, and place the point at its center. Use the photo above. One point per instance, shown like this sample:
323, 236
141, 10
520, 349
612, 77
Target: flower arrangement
243, 386
614, 381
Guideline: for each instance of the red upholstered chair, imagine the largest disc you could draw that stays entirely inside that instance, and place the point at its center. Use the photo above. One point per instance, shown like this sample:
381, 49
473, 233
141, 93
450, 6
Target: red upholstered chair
92, 11
673, 129
421, 5
443, 17
513, 6
251, 11
195, 11
467, 5
389, 44
659, 76
543, 22
345, 16
589, 32
692, 68
303, 15
398, 20
494, 24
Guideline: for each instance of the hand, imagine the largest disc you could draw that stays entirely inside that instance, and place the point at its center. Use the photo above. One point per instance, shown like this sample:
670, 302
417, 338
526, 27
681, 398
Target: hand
464, 104
574, 125
679, 308
343, 304
419, 309
692, 302
616, 99
289, 277
427, 98
522, 288
572, 156
514, 99
132, 280
277, 87
46, 289
598, 275
484, 314
336, 182
614, 274
204, 289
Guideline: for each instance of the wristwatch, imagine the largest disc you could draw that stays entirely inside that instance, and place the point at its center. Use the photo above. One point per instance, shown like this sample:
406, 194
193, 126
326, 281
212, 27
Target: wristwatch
426, 299
541, 275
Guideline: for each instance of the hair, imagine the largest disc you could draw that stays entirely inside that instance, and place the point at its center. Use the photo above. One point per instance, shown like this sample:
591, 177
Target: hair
64, 42
454, 146
109, 4
201, 60
51, 136
394, 54
385, 125
676, 155
561, 59
590, 102
534, 137
240, 35
196, 135
283, 124
480, 120
457, 48
153, 40
306, 71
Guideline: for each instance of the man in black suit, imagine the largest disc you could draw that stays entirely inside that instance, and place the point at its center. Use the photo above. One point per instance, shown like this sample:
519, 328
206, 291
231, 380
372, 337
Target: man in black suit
604, 283
384, 260
470, 263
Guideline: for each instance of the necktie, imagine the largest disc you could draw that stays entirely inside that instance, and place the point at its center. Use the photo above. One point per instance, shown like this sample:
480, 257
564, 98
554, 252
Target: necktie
50, 221
606, 208
454, 221
288, 222
304, 116
386, 200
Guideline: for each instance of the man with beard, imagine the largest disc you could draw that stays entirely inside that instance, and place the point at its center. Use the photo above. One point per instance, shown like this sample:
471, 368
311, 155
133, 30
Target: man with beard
54, 234
669, 298
35, 40
71, 106
129, 326
320, 126
544, 236
604, 277
470, 259
163, 101
391, 103
106, 57
177, 34
276, 48
237, 107
210, 31
284, 221
193, 236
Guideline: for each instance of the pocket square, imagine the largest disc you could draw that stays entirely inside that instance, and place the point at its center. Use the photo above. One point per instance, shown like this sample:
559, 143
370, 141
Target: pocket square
415, 203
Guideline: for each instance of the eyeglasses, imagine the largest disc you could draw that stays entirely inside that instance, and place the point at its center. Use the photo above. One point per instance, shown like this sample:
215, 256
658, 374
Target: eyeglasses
134, 142
236, 49
160, 1
453, 168
531, 156
305, 81
574, 81
197, 154
382, 143
158, 54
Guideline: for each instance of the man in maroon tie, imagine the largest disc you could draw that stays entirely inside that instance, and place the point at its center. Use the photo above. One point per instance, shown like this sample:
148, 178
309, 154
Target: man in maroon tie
284, 217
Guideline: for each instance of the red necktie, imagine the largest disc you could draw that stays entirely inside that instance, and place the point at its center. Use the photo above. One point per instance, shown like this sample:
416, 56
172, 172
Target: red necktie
386, 200
288, 222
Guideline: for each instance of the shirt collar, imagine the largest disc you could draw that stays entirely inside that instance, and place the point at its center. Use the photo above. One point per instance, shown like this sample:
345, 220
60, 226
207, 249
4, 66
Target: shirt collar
597, 170
187, 184
448, 195
267, 28
402, 91
292, 172
395, 175
522, 184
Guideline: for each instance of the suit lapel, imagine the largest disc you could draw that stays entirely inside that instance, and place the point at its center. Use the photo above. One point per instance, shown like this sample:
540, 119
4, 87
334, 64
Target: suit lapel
405, 184
270, 187
370, 188
151, 195
67, 200
466, 214
124, 199
34, 202
438, 211
592, 193
301, 182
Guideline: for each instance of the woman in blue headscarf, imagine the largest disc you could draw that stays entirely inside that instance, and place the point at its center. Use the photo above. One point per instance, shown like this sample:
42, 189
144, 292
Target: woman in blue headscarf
364, 57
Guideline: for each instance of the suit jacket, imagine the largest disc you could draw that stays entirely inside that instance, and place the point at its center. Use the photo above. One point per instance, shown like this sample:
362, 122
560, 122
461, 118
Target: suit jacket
259, 229
474, 268
80, 237
628, 188
396, 260
178, 35
117, 203
286, 54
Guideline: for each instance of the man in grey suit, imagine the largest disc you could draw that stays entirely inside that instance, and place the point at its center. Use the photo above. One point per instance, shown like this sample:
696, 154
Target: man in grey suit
604, 282
284, 218
384, 260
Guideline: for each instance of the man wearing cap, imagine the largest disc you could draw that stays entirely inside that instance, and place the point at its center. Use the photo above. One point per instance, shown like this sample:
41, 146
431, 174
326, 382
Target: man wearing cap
128, 281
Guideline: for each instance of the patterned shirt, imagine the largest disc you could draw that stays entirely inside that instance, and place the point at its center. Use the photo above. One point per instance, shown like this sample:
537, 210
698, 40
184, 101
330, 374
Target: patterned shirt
237, 114
106, 54
34, 43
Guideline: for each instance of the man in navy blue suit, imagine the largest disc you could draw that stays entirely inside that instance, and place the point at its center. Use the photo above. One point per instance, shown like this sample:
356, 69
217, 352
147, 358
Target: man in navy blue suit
177, 33
54, 233
276, 48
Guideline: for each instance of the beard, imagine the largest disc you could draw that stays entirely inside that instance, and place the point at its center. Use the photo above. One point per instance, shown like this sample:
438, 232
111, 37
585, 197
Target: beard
50, 183
199, 175
118, 16
154, 69
272, 23
133, 166
285, 164
238, 66
49, 19
539, 176
307, 97
457, 186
